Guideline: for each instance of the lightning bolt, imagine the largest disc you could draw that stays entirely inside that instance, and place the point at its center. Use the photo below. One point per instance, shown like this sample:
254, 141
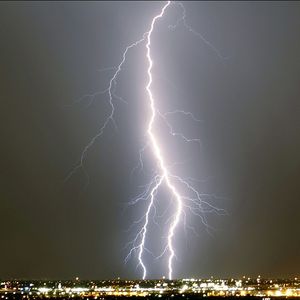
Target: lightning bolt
157, 152
188, 200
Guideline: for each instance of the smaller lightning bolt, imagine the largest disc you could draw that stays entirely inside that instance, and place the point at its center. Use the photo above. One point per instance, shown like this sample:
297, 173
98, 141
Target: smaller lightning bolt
183, 20
111, 94
144, 228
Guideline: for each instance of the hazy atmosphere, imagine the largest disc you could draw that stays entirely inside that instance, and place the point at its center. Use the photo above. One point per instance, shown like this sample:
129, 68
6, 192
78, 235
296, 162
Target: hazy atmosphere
244, 87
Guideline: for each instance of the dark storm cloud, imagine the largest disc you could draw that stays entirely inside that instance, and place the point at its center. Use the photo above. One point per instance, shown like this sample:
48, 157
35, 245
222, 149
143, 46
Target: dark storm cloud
50, 55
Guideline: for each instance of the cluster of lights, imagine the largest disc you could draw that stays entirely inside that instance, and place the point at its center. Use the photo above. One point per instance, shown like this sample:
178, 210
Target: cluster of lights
207, 287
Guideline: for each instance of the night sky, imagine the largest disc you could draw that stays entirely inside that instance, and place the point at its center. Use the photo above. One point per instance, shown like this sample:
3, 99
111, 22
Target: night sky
50, 56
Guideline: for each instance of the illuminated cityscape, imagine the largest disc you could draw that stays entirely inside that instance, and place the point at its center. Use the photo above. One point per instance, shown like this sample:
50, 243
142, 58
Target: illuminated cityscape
184, 288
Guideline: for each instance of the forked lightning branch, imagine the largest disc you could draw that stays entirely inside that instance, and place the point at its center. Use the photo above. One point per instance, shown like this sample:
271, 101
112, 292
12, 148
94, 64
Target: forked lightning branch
185, 198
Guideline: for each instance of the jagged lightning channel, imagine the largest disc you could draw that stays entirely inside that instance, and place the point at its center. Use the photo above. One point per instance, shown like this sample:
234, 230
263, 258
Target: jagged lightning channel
189, 199
157, 151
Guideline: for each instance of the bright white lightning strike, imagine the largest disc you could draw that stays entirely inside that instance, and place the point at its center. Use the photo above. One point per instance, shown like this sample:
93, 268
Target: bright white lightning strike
157, 152
188, 199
